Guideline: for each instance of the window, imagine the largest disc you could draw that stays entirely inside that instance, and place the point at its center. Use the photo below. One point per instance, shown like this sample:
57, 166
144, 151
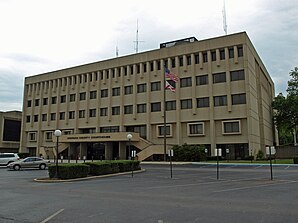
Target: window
205, 57
173, 61
161, 130
141, 88
170, 105
71, 115
222, 54
238, 99
195, 129
180, 61
53, 116
188, 59
231, 127
28, 118
45, 101
197, 59
62, 98
128, 109
128, 89
44, 117
62, 115
138, 68
116, 110
158, 65
92, 113
203, 102
93, 94
231, 52
202, 80
116, 91
72, 97
155, 107
185, 82
82, 96
237, 75
145, 67
104, 112
213, 55
82, 113
220, 100
186, 104
141, 108
36, 102
54, 100
35, 118
104, 93
131, 69
155, 86
240, 51
49, 136
29, 103
151, 66
109, 129
219, 77
32, 136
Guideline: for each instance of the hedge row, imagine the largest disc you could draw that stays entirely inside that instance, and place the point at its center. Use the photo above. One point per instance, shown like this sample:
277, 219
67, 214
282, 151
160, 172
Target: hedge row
71, 171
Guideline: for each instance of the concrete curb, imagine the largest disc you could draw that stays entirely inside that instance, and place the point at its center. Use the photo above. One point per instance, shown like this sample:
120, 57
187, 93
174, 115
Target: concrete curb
243, 164
46, 180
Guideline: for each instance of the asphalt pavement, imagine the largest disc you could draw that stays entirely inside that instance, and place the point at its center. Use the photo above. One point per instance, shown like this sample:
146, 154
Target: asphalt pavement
193, 194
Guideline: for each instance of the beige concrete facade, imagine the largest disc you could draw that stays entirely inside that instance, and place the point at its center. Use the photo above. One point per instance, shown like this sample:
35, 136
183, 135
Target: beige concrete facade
10, 131
222, 100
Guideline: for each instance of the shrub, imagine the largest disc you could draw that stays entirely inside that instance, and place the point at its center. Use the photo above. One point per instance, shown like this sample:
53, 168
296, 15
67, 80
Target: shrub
189, 153
100, 168
295, 160
127, 165
69, 171
260, 155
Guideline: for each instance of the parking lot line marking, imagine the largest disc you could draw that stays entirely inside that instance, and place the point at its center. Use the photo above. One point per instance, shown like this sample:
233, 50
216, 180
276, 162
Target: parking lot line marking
257, 186
52, 216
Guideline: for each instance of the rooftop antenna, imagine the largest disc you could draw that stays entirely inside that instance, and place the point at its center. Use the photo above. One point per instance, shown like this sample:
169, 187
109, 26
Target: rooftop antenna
137, 38
225, 27
117, 50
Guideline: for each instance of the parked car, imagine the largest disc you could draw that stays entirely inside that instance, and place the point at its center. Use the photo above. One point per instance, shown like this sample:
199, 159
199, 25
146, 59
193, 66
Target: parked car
6, 158
29, 162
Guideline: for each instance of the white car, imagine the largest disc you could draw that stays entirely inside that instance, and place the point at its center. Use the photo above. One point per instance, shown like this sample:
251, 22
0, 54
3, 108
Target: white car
7, 158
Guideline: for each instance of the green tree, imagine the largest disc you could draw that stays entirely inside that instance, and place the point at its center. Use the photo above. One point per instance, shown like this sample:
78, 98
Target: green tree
286, 109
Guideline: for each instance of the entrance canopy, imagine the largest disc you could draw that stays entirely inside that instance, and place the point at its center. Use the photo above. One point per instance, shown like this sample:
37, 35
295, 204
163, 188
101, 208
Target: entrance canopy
98, 137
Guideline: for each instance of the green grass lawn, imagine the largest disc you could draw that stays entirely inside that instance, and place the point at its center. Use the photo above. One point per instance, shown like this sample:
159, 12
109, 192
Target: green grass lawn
277, 161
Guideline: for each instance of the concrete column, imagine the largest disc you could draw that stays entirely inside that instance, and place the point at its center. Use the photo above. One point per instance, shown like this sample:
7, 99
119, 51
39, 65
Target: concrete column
122, 150
108, 151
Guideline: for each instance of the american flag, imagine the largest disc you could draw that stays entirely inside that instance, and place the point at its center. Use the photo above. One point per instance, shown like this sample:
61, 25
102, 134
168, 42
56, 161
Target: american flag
171, 75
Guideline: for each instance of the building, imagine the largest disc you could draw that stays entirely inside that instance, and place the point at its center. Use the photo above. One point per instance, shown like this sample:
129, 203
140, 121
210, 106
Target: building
222, 100
10, 131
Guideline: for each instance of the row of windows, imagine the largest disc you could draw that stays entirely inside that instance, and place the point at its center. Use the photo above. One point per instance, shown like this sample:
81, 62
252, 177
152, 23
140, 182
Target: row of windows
155, 86
193, 129
131, 69
142, 108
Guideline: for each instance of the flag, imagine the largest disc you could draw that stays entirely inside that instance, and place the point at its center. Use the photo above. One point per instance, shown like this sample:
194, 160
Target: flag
169, 86
171, 75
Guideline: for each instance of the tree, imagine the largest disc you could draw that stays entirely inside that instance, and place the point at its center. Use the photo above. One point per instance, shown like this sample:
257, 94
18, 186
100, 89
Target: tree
286, 108
293, 83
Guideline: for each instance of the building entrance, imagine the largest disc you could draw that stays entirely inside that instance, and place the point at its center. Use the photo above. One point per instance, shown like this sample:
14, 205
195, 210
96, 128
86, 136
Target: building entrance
96, 151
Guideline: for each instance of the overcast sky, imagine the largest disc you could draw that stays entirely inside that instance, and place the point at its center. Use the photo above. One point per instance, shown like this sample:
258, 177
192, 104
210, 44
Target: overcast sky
39, 36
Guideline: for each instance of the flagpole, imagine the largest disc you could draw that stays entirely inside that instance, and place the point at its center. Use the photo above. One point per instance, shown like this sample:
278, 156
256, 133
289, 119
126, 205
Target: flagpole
164, 118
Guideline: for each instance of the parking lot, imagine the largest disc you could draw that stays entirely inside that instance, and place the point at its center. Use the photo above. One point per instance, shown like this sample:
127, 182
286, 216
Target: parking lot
242, 194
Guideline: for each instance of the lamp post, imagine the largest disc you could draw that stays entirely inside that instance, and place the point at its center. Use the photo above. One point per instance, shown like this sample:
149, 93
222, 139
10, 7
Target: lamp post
129, 137
57, 133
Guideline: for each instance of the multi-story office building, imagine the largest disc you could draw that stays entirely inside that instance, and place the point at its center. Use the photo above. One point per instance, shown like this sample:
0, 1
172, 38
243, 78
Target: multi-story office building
222, 100
10, 131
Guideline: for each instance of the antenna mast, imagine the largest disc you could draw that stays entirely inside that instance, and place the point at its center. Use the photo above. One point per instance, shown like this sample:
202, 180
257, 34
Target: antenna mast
137, 38
225, 27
